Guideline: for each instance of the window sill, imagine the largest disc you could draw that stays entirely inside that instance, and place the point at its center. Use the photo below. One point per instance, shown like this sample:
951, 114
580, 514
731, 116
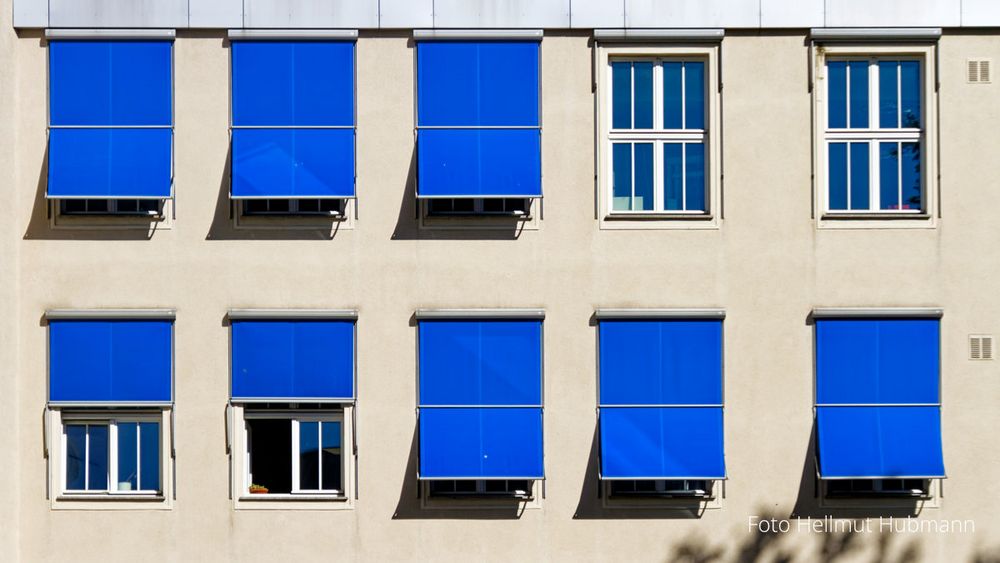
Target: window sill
875, 216
291, 498
104, 497
659, 217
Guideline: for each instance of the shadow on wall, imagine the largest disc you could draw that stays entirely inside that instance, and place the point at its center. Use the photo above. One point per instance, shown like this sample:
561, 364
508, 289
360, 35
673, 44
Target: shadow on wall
408, 225
410, 506
592, 507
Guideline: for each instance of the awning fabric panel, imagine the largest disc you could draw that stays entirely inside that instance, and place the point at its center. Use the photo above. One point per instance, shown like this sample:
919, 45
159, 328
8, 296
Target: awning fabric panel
879, 442
110, 163
479, 163
480, 362
110, 361
480, 443
295, 359
293, 83
883, 361
667, 362
293, 163
662, 442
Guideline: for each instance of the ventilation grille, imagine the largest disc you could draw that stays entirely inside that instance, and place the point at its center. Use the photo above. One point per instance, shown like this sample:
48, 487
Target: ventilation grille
979, 71
980, 347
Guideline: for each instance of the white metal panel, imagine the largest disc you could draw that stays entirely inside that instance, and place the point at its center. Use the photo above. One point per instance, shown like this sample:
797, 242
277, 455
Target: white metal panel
501, 13
31, 13
893, 13
791, 13
310, 13
589, 14
406, 14
692, 13
118, 13
215, 13
980, 13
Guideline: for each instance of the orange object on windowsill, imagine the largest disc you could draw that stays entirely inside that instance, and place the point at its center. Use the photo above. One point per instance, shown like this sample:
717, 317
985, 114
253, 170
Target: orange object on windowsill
258, 490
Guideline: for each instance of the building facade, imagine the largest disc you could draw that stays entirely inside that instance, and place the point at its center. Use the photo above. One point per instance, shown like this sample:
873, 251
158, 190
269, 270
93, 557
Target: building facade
708, 280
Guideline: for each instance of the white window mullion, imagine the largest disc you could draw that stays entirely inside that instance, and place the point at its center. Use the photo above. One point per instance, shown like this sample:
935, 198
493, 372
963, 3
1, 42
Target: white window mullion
659, 186
848, 176
684, 204
295, 455
138, 457
113, 456
874, 176
683, 95
658, 94
873, 94
631, 204
847, 95
319, 453
899, 101
631, 81
86, 457
899, 174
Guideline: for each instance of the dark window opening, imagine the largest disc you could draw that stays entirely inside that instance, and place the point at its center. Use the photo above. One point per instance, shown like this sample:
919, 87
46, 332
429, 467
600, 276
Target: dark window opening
877, 487
293, 207
503, 207
665, 488
507, 488
269, 444
139, 207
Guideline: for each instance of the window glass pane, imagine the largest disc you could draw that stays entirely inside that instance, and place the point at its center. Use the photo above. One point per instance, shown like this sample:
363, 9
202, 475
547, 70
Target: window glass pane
128, 468
76, 447
910, 89
859, 176
695, 179
149, 436
911, 176
622, 165
673, 181
643, 73
672, 98
889, 175
270, 447
888, 94
331, 456
308, 455
98, 459
621, 95
836, 73
643, 177
859, 94
837, 165
694, 95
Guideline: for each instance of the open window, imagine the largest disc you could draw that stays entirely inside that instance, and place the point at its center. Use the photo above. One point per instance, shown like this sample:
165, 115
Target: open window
108, 431
878, 409
293, 128
478, 126
110, 160
292, 409
660, 404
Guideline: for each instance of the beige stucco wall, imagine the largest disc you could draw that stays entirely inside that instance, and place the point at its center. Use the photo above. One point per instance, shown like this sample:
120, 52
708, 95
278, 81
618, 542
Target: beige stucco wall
767, 266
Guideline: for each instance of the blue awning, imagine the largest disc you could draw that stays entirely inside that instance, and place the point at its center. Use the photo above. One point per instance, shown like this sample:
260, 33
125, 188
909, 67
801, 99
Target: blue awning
662, 443
480, 443
879, 442
110, 163
113, 362
480, 399
293, 163
295, 359
479, 163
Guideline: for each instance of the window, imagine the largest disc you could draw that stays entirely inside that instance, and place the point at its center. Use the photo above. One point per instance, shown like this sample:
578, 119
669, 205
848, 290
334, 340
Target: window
292, 397
658, 141
478, 121
480, 410
293, 126
878, 410
138, 207
110, 122
660, 402
511, 207
295, 453
110, 398
876, 117
114, 456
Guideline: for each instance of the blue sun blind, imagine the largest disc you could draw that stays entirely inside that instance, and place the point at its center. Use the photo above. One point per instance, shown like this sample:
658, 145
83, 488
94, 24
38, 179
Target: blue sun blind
288, 360
293, 119
113, 362
110, 119
478, 128
878, 411
481, 399
661, 399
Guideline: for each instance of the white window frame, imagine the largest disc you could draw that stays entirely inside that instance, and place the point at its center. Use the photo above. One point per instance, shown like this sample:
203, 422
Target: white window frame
927, 136
110, 498
342, 498
658, 218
